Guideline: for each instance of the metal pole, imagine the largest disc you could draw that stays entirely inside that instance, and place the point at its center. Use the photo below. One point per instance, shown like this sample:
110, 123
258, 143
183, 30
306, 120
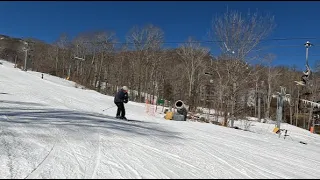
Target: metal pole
15, 61
280, 99
307, 45
279, 109
259, 106
26, 56
313, 121
25, 60
297, 108
278, 112
255, 100
233, 105
307, 52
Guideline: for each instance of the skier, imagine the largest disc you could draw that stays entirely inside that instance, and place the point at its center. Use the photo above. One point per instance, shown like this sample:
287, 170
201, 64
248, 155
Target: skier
120, 98
305, 76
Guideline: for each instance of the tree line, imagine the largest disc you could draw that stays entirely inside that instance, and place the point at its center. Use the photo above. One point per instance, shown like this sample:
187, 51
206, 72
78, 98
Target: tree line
238, 82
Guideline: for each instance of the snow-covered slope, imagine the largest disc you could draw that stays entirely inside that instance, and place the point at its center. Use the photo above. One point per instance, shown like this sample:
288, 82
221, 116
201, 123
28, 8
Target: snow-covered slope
50, 129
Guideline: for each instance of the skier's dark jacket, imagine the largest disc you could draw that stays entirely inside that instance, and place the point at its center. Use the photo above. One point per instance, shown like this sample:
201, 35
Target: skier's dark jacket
121, 96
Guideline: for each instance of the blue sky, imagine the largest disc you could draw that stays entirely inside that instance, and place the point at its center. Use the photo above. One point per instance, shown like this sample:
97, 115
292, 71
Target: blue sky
179, 20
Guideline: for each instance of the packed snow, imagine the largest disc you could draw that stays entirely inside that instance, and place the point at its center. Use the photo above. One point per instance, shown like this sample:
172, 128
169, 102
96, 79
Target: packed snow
51, 129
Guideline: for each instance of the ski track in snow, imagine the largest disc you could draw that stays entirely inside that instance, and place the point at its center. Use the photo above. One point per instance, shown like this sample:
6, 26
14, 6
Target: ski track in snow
97, 159
148, 150
32, 173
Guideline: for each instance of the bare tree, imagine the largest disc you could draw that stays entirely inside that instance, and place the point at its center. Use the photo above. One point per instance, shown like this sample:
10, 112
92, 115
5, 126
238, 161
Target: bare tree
240, 34
235, 79
105, 42
272, 75
193, 56
146, 42
79, 51
62, 46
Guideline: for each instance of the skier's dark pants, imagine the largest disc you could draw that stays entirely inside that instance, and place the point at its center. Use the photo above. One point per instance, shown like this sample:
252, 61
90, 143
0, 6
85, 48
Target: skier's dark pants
121, 109
304, 79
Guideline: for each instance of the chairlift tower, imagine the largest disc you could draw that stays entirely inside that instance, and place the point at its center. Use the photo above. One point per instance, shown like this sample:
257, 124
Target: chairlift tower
307, 45
281, 97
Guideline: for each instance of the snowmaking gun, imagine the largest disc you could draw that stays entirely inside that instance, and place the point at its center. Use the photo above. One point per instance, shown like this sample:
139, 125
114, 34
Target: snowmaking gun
180, 115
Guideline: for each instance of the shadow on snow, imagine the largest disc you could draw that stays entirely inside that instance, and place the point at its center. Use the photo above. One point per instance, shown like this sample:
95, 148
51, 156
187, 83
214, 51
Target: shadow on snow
61, 118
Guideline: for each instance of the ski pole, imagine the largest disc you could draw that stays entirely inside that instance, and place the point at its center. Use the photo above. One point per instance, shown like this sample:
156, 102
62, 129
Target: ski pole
109, 108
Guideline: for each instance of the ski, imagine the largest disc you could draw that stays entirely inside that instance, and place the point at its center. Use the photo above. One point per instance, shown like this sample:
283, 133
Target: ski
299, 83
122, 119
